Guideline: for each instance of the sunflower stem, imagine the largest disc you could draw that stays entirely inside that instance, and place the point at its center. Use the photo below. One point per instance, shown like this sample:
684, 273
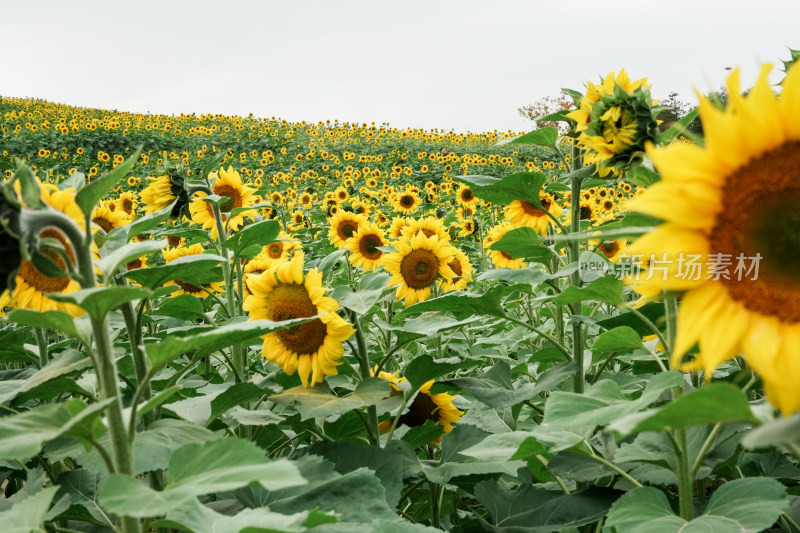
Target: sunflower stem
41, 342
363, 363
574, 254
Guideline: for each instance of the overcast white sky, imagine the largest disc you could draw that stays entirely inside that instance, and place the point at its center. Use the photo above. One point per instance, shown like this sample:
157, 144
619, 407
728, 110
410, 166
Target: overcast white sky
466, 65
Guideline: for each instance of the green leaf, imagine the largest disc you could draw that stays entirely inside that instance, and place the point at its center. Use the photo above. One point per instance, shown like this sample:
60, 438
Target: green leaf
198, 518
88, 196
125, 254
145, 223
313, 402
100, 300
194, 269
53, 320
157, 400
67, 362
533, 509
462, 302
360, 301
570, 418
541, 137
235, 395
81, 486
679, 127
773, 433
424, 368
196, 469
747, 505
258, 234
184, 306
618, 340
502, 191
28, 514
29, 186
76, 181
530, 276
214, 339
717, 402
493, 388
522, 242
391, 464
605, 289
653, 311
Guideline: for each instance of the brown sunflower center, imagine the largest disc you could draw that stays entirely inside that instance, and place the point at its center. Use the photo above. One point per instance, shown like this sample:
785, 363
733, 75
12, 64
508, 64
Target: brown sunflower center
174, 240
103, 223
286, 302
127, 205
407, 201
455, 266
467, 195
189, 288
586, 212
609, 249
422, 409
275, 250
39, 281
346, 228
368, 246
530, 209
758, 242
234, 197
419, 268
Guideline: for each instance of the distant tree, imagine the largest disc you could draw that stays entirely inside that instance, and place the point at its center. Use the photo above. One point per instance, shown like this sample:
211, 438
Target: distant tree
547, 106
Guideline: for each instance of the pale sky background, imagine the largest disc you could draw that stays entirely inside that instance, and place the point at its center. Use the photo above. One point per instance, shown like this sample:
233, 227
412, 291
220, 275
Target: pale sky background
464, 65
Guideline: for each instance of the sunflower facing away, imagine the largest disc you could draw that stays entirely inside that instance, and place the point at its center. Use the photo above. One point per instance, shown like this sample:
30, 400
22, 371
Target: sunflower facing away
32, 284
311, 349
417, 264
735, 206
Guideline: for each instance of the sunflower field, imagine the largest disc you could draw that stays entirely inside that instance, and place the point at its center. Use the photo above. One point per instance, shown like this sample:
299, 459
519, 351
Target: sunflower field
232, 324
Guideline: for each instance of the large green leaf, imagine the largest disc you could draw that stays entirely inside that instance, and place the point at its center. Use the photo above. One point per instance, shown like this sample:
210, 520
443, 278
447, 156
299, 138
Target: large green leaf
516, 275
196, 469
194, 269
125, 254
531, 508
236, 395
717, 402
66, 362
214, 339
775, 432
523, 186
570, 418
541, 137
99, 301
54, 320
28, 514
198, 518
313, 402
521, 243
81, 487
745, 505
256, 235
462, 302
605, 289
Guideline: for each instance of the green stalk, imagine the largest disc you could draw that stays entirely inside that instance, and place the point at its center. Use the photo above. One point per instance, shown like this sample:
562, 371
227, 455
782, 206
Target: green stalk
574, 252
363, 363
41, 342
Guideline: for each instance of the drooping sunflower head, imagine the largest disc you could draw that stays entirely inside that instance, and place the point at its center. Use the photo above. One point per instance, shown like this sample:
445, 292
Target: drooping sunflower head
312, 349
732, 207
162, 191
364, 246
343, 225
417, 264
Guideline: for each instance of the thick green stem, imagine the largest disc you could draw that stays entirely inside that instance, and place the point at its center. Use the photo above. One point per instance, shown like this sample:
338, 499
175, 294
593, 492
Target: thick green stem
41, 342
574, 249
363, 363
140, 362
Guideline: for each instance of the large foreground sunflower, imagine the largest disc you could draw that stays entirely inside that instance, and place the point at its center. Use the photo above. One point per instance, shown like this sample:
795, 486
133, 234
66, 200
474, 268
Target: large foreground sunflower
733, 207
417, 264
311, 349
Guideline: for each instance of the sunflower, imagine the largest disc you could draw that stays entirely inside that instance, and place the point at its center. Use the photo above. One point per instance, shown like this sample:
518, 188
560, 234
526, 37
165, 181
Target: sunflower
406, 202
128, 201
171, 254
396, 227
428, 226
342, 227
735, 206
312, 348
32, 284
280, 249
467, 227
462, 269
228, 183
438, 408
162, 191
613, 250
109, 219
499, 258
417, 264
364, 245
465, 196
522, 213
